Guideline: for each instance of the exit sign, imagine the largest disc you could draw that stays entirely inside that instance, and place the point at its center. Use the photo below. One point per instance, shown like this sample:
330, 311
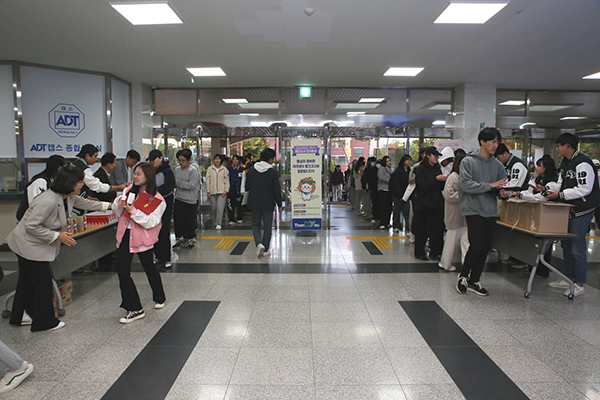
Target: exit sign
305, 91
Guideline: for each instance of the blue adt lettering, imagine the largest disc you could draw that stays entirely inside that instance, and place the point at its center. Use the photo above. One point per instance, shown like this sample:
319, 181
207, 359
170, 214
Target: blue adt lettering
68, 120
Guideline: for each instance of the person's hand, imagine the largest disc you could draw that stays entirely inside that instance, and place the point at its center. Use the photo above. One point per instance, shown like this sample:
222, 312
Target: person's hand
539, 188
224, 194
504, 193
441, 177
500, 183
128, 207
551, 195
121, 187
92, 198
65, 238
208, 195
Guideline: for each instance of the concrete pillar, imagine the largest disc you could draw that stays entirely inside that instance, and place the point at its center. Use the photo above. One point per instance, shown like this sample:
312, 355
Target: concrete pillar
141, 120
474, 106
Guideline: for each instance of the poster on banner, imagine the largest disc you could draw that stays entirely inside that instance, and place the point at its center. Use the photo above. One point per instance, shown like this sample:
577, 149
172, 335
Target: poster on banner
307, 194
454, 144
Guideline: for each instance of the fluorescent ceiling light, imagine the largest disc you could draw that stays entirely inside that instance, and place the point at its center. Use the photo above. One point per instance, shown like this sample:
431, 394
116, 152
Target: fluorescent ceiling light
567, 118
438, 122
353, 106
255, 123
235, 101
352, 113
526, 124
469, 13
512, 103
437, 106
397, 71
371, 100
258, 105
250, 114
206, 71
147, 13
550, 107
592, 76
344, 123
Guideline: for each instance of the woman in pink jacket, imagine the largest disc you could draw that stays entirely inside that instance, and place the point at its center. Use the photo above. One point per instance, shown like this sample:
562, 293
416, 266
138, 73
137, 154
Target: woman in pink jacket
136, 233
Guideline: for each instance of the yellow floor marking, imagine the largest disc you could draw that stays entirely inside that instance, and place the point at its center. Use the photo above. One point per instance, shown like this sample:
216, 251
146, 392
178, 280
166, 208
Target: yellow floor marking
381, 242
592, 237
225, 242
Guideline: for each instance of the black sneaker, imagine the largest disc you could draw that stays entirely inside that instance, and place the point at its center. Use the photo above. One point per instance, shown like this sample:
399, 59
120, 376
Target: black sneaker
422, 258
132, 316
476, 288
188, 243
462, 285
179, 243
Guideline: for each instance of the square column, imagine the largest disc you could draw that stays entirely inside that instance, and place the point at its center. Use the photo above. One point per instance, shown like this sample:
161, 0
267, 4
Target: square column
474, 106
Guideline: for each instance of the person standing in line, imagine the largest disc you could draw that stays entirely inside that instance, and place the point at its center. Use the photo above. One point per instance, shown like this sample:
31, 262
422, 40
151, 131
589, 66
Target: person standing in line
410, 193
429, 208
357, 174
337, 183
37, 240
137, 232
369, 182
120, 174
384, 173
194, 164
234, 197
398, 185
446, 160
217, 187
108, 162
578, 187
480, 173
263, 184
186, 199
349, 183
40, 182
456, 224
165, 183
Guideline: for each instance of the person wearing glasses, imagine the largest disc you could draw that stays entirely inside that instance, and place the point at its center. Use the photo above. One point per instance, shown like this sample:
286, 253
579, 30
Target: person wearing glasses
187, 183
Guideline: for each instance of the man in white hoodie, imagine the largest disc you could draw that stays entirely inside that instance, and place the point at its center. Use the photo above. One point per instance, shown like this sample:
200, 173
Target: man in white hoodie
262, 183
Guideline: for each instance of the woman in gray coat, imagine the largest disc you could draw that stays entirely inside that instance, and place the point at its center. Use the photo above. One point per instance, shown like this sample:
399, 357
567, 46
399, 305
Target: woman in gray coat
36, 241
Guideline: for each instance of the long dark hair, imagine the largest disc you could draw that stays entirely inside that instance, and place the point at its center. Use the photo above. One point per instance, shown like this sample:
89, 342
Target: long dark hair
359, 163
457, 160
150, 174
403, 160
66, 179
550, 173
54, 163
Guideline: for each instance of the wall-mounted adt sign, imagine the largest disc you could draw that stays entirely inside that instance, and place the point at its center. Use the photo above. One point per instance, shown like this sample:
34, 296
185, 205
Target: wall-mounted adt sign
66, 120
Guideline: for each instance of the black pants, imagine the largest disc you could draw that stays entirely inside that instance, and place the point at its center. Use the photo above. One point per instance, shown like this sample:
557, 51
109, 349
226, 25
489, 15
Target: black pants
385, 207
375, 205
162, 248
234, 207
34, 295
481, 235
130, 299
185, 217
401, 208
429, 223
262, 220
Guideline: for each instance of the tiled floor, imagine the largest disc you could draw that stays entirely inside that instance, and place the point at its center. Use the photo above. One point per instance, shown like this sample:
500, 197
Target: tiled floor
319, 319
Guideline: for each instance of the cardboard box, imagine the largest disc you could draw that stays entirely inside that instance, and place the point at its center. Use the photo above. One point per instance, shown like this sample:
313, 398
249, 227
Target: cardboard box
539, 217
65, 286
100, 217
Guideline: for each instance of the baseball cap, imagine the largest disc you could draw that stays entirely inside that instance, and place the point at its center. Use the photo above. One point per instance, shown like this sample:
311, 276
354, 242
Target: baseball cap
596, 162
154, 154
432, 150
446, 154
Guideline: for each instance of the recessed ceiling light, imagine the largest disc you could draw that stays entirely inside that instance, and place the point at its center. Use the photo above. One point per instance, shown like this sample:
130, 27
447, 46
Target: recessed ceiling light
526, 124
206, 71
469, 12
259, 105
550, 107
250, 114
401, 71
353, 113
440, 122
147, 13
437, 106
371, 100
235, 101
352, 106
567, 118
512, 103
255, 123
592, 76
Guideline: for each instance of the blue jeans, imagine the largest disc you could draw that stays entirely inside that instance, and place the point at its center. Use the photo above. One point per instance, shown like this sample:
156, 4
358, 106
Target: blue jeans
575, 250
266, 219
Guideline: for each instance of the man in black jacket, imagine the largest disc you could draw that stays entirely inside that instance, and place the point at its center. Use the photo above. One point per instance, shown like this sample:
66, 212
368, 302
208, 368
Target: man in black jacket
429, 209
369, 183
262, 183
165, 182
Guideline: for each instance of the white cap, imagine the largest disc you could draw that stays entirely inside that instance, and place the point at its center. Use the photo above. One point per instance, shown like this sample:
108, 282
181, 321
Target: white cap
596, 162
446, 154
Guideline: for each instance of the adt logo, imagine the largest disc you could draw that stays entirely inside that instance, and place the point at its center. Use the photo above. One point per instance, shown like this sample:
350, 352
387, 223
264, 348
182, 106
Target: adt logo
66, 120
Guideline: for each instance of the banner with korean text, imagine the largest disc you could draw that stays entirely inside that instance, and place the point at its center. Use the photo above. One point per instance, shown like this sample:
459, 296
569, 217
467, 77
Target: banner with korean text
307, 197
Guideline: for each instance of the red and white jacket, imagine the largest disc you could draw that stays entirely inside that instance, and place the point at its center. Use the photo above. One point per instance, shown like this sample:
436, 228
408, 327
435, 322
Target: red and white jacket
143, 229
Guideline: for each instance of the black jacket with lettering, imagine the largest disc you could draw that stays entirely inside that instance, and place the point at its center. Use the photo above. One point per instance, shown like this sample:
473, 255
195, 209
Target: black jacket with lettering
568, 173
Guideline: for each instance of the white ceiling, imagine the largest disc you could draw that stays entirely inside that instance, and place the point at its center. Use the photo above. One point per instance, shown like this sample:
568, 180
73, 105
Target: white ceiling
530, 44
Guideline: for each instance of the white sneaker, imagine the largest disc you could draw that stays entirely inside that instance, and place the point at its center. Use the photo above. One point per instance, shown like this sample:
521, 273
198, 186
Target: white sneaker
57, 327
373, 222
26, 320
168, 264
240, 221
12, 379
560, 285
260, 250
132, 316
396, 230
411, 237
158, 306
231, 223
579, 290
382, 227
218, 227
267, 253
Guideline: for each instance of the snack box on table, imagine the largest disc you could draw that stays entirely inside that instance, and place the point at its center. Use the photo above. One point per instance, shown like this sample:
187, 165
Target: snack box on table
536, 216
